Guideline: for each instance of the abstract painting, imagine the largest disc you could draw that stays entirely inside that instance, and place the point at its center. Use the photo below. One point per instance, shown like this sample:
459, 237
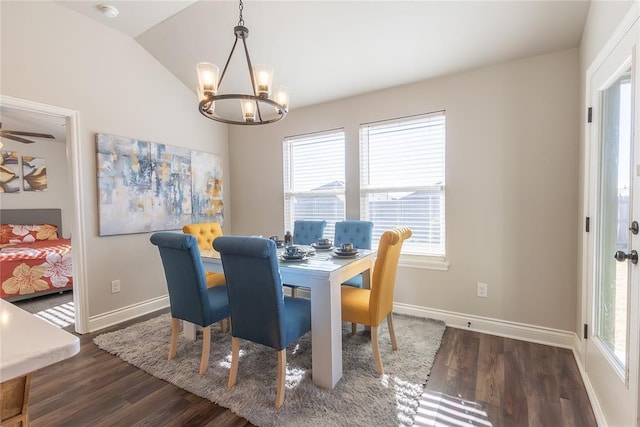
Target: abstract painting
207, 187
34, 173
147, 186
9, 172
125, 192
172, 189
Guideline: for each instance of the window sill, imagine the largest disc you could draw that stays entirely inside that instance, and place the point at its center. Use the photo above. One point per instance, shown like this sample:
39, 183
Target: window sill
424, 262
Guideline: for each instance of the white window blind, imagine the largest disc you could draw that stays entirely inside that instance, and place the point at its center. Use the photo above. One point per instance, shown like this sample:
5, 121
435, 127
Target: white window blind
402, 171
314, 178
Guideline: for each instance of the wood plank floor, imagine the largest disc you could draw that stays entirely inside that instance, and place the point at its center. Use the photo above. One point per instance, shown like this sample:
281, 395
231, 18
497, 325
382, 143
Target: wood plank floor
488, 380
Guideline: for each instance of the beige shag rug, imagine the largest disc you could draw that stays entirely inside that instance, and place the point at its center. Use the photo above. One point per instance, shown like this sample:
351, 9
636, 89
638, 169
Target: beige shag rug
361, 397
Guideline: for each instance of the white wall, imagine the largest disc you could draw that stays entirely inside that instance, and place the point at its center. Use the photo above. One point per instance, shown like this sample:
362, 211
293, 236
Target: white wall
511, 184
55, 56
56, 194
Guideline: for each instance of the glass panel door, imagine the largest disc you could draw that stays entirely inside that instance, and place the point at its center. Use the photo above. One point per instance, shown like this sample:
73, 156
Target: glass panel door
612, 288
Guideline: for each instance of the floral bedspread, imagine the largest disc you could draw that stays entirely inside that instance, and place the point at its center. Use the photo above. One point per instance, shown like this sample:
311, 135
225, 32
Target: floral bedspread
35, 267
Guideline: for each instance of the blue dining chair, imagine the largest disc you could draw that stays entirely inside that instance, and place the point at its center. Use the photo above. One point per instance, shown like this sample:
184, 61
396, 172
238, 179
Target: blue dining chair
306, 232
358, 233
189, 297
259, 310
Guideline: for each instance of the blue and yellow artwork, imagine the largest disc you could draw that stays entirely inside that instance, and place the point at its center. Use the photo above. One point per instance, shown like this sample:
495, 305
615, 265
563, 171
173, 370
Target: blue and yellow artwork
146, 186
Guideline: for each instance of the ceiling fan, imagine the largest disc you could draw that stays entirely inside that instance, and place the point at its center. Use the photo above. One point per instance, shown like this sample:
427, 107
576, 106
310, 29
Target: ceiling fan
18, 136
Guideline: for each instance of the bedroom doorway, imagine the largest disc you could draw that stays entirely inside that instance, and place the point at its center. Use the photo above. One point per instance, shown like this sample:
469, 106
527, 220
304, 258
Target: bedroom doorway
74, 210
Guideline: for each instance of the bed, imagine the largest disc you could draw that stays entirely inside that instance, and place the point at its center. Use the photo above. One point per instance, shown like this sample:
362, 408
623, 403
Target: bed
34, 258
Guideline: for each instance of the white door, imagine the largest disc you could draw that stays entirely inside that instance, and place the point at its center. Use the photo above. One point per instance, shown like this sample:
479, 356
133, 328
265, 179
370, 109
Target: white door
613, 277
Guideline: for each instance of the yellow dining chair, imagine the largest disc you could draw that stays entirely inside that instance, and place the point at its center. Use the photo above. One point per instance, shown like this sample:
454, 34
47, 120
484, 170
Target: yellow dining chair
205, 233
370, 306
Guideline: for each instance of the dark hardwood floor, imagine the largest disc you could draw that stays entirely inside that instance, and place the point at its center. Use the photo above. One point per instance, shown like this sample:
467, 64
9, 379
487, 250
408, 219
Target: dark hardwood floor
484, 379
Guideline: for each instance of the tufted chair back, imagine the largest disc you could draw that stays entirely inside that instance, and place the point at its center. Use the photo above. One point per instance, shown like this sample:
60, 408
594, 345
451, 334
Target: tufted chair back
358, 233
204, 233
306, 232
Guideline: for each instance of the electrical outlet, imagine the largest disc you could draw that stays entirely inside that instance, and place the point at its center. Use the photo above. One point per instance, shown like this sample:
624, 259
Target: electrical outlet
115, 286
482, 290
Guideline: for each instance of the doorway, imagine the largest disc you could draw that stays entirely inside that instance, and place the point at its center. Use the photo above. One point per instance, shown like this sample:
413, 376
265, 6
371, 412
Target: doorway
611, 262
73, 153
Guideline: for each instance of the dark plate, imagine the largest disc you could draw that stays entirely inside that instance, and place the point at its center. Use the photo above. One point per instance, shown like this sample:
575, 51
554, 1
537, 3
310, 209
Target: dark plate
346, 254
342, 252
293, 258
323, 247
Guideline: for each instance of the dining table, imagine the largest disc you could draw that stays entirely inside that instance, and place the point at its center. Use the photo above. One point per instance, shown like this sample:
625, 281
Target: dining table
323, 272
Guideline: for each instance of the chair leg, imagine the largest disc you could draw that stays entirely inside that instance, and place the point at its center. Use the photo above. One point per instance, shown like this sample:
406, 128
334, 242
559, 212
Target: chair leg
175, 330
392, 333
376, 350
235, 355
206, 347
354, 328
282, 373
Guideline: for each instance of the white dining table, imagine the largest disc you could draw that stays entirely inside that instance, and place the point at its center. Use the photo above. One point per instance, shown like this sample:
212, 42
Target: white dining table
324, 274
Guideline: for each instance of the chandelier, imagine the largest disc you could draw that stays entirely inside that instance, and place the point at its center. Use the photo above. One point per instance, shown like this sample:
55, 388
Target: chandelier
257, 108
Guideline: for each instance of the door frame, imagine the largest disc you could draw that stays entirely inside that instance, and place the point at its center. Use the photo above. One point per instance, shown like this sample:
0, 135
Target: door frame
74, 156
589, 182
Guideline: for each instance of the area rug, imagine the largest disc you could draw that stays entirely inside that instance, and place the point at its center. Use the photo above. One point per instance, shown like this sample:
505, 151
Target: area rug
361, 397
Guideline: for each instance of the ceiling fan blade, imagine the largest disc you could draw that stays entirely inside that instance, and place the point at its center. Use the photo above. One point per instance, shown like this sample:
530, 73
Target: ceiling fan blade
15, 138
31, 134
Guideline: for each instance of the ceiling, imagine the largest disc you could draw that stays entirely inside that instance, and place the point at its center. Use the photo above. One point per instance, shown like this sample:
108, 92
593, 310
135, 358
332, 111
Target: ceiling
328, 50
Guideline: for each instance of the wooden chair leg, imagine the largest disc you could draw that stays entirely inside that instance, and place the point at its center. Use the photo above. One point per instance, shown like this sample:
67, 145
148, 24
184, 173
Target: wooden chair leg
282, 374
175, 330
354, 328
376, 350
235, 355
392, 332
206, 347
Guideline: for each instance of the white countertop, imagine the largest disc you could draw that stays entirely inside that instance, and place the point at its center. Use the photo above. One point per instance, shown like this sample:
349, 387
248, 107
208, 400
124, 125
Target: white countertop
28, 343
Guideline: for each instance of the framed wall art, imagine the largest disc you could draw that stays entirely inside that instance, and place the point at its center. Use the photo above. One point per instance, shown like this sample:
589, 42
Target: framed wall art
147, 186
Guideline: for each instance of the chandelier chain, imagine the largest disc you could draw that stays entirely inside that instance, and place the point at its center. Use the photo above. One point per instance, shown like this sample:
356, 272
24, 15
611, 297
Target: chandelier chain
241, 21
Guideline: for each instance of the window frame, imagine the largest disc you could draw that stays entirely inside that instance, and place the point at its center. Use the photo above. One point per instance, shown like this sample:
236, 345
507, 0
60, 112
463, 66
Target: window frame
290, 193
414, 254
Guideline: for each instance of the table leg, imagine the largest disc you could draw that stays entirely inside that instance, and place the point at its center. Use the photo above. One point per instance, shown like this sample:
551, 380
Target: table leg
326, 336
189, 330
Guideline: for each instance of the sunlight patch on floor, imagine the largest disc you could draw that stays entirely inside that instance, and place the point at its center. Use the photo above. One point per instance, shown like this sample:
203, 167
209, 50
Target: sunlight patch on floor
61, 316
438, 409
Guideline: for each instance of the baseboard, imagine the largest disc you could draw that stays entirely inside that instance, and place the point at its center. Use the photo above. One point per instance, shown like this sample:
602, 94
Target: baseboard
115, 317
502, 328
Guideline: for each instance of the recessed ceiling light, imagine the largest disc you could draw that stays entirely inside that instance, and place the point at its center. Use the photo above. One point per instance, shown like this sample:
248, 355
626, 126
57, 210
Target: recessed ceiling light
108, 11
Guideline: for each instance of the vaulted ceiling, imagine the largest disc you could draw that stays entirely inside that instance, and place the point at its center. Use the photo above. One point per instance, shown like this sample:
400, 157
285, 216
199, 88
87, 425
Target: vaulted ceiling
328, 50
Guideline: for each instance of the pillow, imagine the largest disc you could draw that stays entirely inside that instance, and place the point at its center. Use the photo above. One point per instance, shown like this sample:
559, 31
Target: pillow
16, 233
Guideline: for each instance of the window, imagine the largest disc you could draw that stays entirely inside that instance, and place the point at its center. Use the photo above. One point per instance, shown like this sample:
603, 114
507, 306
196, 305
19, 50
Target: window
314, 178
402, 167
